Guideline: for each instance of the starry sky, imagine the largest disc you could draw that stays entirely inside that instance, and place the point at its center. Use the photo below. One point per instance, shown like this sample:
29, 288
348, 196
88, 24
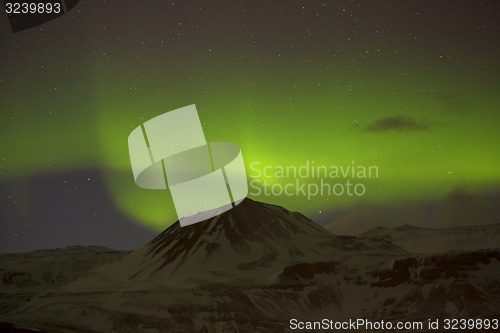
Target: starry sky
408, 86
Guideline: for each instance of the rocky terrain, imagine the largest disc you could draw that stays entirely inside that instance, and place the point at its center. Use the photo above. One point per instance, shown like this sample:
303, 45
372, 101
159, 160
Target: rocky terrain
251, 269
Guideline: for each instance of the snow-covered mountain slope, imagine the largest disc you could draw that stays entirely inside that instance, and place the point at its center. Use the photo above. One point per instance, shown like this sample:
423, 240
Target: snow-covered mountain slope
249, 244
254, 268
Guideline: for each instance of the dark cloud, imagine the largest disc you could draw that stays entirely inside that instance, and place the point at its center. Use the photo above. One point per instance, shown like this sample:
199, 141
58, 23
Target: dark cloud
397, 123
69, 208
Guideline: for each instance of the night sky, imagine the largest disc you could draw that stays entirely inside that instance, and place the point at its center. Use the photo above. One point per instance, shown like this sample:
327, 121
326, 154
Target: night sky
411, 87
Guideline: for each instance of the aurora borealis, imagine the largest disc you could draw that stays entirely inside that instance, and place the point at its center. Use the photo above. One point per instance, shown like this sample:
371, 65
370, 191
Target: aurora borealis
411, 87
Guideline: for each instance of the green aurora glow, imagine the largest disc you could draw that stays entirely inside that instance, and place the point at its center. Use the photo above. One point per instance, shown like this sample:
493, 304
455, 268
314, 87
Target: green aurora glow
280, 112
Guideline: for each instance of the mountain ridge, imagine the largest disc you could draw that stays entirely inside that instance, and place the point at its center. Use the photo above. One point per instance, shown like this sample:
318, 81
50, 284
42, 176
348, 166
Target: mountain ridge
255, 239
251, 269
427, 240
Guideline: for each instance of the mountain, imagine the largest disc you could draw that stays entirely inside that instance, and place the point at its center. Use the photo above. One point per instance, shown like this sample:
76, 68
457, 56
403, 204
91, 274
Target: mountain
426, 240
249, 244
252, 269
